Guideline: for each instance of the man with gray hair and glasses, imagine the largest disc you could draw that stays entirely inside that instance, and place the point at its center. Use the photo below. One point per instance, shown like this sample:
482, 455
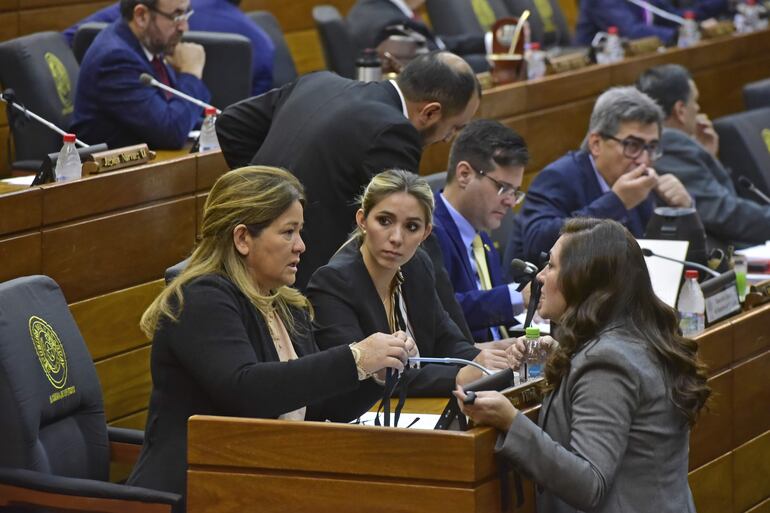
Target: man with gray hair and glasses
611, 176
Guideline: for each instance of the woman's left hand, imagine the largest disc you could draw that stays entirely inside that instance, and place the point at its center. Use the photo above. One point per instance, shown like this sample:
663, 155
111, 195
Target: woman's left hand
489, 408
411, 345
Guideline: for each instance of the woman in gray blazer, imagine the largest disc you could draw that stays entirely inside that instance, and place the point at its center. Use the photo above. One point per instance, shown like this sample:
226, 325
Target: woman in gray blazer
625, 386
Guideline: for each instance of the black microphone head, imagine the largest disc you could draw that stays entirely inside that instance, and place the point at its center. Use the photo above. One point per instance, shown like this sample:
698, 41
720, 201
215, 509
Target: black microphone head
146, 79
9, 95
647, 252
521, 266
745, 182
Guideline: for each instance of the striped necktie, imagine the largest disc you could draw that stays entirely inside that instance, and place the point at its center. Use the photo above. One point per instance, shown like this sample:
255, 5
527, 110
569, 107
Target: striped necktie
484, 13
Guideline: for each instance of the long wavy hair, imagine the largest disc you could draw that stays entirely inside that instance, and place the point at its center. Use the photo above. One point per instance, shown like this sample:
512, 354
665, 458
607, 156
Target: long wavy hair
604, 281
255, 196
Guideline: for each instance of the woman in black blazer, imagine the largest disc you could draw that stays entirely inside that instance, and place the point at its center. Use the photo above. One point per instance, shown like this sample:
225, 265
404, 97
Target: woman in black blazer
379, 282
230, 337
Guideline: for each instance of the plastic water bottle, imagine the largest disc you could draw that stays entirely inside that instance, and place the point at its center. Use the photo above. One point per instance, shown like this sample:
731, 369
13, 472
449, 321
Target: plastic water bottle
535, 58
68, 166
691, 306
689, 35
536, 353
611, 46
208, 138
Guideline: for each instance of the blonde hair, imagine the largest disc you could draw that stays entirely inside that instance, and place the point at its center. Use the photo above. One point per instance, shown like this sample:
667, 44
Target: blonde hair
254, 196
389, 182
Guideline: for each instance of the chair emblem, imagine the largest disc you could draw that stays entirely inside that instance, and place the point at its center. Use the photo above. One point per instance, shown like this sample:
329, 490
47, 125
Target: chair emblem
49, 351
62, 80
766, 138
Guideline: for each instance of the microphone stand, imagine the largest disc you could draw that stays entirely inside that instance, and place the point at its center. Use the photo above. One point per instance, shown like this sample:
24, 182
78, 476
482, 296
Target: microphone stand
8, 97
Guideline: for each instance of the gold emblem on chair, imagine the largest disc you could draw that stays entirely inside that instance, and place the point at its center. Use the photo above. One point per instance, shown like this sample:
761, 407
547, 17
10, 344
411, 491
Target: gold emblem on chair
766, 138
62, 80
49, 351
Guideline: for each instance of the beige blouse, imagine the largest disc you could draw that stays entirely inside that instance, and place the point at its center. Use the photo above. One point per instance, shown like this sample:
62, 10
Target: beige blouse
286, 352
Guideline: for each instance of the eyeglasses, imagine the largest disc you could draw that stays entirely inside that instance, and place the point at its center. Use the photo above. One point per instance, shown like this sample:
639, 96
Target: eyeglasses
633, 147
504, 189
174, 18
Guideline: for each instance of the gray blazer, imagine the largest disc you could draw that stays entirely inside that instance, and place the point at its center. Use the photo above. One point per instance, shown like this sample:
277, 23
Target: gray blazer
726, 216
611, 439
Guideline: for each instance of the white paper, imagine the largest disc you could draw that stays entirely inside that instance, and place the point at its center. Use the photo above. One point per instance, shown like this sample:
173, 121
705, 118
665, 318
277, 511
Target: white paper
664, 274
20, 180
410, 420
759, 253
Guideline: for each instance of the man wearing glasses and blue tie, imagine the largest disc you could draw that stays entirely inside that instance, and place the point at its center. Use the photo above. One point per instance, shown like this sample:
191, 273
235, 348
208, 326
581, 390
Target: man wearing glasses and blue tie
486, 166
112, 105
611, 176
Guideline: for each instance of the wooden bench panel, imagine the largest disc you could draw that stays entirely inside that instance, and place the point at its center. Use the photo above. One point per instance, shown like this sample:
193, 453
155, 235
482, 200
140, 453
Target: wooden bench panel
305, 48
121, 189
134, 421
20, 256
9, 27
762, 507
752, 334
715, 347
296, 14
713, 432
110, 323
126, 383
111, 253
751, 477
21, 211
56, 18
210, 166
712, 486
751, 413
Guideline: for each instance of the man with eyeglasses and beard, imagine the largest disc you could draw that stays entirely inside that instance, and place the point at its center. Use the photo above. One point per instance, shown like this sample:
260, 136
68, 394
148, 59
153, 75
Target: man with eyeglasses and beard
611, 176
113, 106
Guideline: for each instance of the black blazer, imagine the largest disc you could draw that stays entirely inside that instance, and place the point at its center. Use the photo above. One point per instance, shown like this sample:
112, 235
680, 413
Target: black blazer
367, 21
219, 359
348, 309
332, 133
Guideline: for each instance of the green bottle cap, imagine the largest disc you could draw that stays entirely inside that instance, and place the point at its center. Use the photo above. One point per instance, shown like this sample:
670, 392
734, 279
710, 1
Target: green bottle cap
532, 332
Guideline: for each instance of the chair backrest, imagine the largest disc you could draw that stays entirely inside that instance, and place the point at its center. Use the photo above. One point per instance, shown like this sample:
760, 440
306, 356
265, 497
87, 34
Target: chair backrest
456, 17
547, 23
84, 36
227, 72
436, 181
42, 71
336, 41
757, 94
52, 417
744, 146
284, 70
175, 270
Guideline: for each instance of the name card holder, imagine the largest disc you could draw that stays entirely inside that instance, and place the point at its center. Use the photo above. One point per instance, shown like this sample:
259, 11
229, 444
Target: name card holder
119, 158
567, 61
721, 294
717, 29
643, 46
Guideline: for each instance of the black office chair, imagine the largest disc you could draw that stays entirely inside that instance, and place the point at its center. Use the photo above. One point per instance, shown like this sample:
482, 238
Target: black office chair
84, 36
436, 181
55, 445
42, 71
227, 73
338, 48
456, 17
744, 147
757, 94
547, 28
284, 70
175, 270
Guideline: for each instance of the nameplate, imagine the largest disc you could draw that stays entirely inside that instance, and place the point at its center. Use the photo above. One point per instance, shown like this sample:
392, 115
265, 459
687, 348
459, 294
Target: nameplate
526, 395
721, 294
567, 62
120, 158
713, 29
643, 46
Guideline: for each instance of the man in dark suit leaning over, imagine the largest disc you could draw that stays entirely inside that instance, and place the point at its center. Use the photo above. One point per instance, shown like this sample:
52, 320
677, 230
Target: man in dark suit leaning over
368, 21
690, 146
486, 166
334, 134
609, 178
112, 105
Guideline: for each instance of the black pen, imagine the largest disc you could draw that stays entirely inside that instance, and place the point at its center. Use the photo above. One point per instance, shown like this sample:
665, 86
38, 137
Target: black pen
413, 422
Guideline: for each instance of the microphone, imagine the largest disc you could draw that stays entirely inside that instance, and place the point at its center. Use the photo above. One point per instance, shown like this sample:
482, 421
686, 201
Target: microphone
648, 253
448, 361
148, 80
522, 272
749, 185
9, 97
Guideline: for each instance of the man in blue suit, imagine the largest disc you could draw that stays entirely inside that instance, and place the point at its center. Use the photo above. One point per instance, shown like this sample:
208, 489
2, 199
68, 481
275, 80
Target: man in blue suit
214, 16
486, 166
112, 105
610, 177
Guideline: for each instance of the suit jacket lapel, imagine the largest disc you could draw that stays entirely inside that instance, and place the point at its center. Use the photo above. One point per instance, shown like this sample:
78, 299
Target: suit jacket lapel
444, 218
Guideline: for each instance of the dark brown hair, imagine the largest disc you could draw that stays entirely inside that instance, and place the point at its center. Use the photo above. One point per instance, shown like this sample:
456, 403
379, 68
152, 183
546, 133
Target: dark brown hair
604, 281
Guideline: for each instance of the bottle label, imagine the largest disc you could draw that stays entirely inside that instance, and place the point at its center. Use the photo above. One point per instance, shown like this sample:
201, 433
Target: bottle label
691, 323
